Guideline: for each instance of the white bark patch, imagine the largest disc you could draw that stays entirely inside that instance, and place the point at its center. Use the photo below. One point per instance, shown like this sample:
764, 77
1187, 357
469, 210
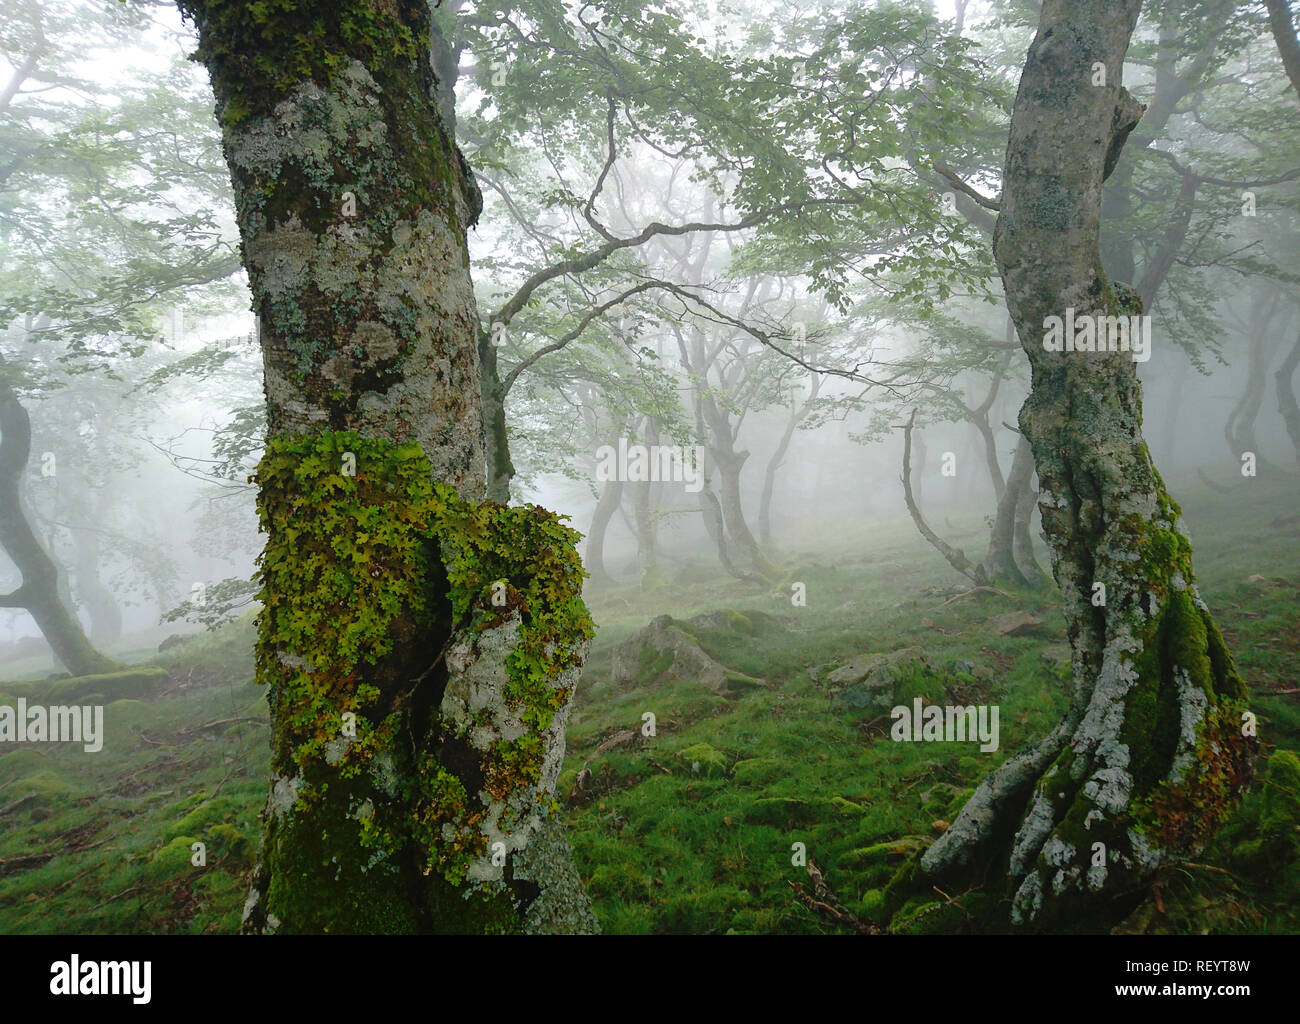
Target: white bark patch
284, 794
475, 709
1033, 830
1028, 900
1192, 705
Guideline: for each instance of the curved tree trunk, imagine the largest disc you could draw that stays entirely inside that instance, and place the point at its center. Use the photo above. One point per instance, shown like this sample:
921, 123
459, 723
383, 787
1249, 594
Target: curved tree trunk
1152, 754
611, 497
39, 591
1279, 20
1286, 403
100, 602
420, 646
954, 556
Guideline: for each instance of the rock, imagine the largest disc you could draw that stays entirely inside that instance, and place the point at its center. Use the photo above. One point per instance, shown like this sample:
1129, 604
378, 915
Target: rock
869, 680
662, 651
1014, 623
175, 640
755, 771
666, 650
872, 671
704, 759
781, 811
135, 682
894, 850
847, 808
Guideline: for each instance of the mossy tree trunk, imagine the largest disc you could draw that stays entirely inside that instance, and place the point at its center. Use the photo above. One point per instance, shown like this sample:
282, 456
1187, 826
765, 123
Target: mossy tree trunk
420, 646
39, 591
1152, 753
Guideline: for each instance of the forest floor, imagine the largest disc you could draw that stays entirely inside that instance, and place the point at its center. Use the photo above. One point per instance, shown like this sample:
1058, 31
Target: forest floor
693, 830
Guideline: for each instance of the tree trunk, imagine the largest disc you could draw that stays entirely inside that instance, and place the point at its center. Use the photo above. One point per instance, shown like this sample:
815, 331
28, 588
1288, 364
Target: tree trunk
100, 602
496, 451
1279, 20
954, 556
421, 648
1023, 542
39, 591
1151, 757
611, 497
1239, 431
1000, 563
728, 462
1286, 403
647, 558
797, 415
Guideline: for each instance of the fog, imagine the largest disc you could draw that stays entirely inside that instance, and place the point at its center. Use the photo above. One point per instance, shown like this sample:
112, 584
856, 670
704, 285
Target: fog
733, 261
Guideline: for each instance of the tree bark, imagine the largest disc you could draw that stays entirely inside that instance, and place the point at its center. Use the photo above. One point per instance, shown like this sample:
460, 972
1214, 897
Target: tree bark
1279, 20
1022, 541
1239, 430
1286, 403
954, 556
647, 528
421, 646
1000, 562
797, 415
611, 496
1152, 754
39, 591
100, 602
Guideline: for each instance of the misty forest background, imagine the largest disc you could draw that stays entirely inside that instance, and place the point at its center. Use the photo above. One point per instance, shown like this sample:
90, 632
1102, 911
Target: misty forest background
650, 265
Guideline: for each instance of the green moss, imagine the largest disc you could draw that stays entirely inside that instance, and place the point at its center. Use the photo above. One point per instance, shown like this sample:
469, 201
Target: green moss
354, 564
711, 761
1184, 814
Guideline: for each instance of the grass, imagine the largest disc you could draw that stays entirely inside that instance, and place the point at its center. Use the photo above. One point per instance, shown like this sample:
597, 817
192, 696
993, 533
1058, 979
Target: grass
693, 829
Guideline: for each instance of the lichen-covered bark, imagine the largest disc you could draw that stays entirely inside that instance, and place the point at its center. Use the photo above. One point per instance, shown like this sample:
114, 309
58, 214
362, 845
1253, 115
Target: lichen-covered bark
353, 203
1151, 754
420, 645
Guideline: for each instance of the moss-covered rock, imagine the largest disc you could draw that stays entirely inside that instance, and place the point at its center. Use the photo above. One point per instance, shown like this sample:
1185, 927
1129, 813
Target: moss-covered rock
756, 771
704, 759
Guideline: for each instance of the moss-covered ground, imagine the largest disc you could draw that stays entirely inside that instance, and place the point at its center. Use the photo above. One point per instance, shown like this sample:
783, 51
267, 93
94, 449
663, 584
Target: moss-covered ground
692, 830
